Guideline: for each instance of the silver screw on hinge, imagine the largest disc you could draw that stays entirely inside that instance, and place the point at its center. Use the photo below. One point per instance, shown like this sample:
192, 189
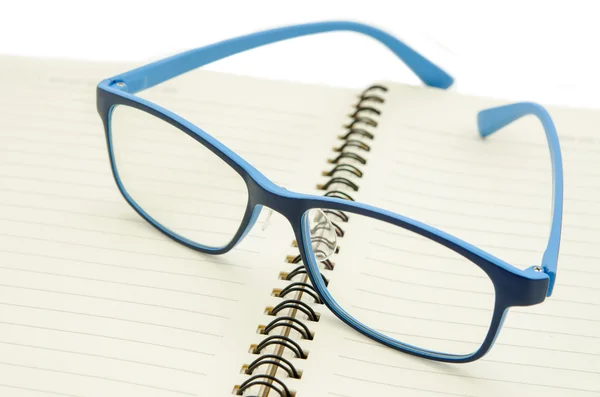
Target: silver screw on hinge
537, 269
120, 84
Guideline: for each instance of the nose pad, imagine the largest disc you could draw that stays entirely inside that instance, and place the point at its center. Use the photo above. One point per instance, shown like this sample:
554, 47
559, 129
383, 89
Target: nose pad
267, 221
323, 237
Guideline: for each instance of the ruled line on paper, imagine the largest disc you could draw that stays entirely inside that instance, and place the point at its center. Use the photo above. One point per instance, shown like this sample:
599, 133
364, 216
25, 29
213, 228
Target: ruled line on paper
118, 266
409, 369
486, 189
27, 92
485, 163
485, 203
507, 156
143, 385
54, 393
456, 289
100, 336
195, 260
429, 302
81, 106
443, 271
70, 183
200, 200
88, 121
241, 151
570, 254
443, 133
437, 321
121, 283
544, 238
120, 219
72, 352
499, 343
34, 308
101, 146
88, 296
437, 392
445, 171
105, 232
452, 143
492, 217
82, 136
104, 161
203, 215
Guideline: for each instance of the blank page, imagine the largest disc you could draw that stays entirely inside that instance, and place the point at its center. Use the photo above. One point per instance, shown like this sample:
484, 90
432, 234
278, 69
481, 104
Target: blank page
429, 163
93, 300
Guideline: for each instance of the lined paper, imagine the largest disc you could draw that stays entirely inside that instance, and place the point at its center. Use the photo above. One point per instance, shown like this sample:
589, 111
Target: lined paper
93, 300
428, 163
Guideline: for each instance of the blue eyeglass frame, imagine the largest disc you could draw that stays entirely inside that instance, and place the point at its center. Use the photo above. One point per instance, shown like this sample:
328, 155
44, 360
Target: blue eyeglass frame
513, 286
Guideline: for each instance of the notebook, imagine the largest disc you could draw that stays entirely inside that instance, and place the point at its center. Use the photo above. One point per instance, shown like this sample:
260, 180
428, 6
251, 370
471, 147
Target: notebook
96, 302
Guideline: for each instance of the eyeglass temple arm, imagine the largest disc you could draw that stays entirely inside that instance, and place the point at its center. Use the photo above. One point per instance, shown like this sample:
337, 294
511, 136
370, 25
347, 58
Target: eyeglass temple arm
493, 119
165, 69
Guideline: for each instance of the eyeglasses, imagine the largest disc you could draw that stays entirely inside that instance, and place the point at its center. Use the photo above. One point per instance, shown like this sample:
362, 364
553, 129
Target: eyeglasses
162, 140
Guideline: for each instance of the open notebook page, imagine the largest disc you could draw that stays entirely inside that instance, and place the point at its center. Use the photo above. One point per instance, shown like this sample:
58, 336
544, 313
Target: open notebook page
93, 300
429, 163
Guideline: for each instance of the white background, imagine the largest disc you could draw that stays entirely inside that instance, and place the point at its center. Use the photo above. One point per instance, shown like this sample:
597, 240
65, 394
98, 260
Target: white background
531, 50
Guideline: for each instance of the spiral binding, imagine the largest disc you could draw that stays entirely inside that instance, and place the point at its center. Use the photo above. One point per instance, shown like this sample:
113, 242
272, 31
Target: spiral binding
352, 150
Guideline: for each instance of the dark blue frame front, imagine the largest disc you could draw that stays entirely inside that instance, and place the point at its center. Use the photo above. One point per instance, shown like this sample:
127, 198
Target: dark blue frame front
513, 286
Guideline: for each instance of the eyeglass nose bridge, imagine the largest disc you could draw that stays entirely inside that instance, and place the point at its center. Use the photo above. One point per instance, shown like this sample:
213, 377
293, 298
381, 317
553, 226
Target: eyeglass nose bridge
269, 196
